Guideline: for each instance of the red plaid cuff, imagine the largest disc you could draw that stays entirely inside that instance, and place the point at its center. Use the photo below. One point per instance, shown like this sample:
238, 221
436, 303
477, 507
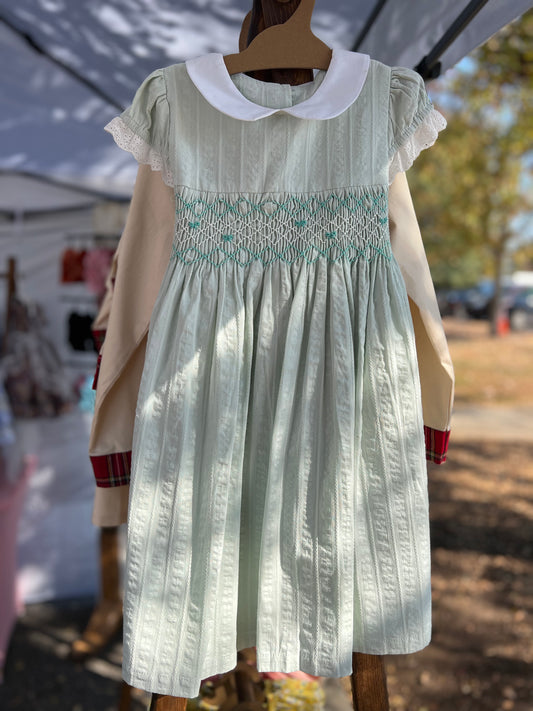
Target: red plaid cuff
112, 469
97, 371
436, 444
98, 337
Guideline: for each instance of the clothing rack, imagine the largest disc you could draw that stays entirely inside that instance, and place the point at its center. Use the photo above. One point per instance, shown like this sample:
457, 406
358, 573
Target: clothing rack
94, 238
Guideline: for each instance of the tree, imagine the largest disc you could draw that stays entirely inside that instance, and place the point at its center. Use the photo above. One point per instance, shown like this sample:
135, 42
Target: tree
523, 257
470, 188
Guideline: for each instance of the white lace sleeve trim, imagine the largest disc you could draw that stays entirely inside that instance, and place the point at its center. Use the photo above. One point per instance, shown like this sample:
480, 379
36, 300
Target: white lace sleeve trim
142, 151
423, 137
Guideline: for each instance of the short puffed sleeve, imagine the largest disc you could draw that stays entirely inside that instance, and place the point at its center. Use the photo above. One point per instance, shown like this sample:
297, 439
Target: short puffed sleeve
143, 129
414, 123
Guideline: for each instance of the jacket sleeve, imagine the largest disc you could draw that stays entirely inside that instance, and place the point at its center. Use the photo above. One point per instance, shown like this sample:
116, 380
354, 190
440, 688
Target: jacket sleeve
434, 362
137, 272
99, 325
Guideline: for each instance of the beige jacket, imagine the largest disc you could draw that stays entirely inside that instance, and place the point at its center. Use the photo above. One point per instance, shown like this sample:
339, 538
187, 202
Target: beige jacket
137, 272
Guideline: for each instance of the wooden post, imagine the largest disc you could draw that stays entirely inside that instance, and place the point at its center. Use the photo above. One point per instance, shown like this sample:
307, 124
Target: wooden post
124, 703
106, 617
168, 703
243, 681
369, 683
109, 565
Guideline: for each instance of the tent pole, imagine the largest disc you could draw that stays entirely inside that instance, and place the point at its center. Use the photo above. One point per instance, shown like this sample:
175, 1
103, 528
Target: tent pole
378, 7
430, 67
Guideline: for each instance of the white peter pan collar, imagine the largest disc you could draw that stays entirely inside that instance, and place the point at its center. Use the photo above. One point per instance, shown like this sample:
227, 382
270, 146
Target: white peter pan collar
340, 87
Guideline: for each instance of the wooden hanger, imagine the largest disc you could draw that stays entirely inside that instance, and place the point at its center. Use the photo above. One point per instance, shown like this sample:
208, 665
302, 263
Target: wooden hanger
290, 45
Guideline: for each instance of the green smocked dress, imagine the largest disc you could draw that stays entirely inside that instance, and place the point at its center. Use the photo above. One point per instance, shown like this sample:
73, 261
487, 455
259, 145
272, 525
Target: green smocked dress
278, 495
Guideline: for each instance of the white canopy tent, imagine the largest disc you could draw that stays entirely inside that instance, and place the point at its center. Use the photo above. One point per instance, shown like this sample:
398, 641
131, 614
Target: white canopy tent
37, 220
21, 195
92, 56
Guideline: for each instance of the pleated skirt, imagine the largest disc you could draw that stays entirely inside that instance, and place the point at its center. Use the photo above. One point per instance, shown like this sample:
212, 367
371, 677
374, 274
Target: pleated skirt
279, 485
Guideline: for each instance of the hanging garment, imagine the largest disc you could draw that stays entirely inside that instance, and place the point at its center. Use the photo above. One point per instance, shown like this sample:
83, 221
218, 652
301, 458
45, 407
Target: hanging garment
10, 455
72, 265
96, 265
34, 377
278, 486
80, 335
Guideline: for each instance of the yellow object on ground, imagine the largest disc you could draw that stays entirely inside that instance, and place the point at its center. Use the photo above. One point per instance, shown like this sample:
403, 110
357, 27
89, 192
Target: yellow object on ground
290, 694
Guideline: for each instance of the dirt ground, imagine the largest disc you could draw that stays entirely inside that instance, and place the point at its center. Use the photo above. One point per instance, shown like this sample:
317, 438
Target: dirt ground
490, 371
481, 656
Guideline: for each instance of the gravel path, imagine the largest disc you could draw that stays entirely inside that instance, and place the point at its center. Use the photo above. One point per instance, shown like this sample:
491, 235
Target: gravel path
497, 423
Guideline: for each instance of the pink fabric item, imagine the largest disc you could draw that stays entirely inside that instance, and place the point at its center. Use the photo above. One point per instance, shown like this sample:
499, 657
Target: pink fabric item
276, 676
273, 676
11, 500
96, 265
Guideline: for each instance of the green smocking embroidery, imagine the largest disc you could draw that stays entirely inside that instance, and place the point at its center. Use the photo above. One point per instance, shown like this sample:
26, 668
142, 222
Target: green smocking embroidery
245, 256
270, 207
347, 225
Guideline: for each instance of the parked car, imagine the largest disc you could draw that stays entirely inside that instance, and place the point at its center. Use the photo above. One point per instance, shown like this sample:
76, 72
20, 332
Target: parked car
479, 300
476, 302
452, 302
521, 311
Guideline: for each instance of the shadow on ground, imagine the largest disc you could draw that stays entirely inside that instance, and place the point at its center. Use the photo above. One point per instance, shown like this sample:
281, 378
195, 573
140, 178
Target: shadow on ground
39, 676
481, 656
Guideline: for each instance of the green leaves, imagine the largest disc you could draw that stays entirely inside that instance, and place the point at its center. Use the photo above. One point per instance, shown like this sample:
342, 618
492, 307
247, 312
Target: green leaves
472, 185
